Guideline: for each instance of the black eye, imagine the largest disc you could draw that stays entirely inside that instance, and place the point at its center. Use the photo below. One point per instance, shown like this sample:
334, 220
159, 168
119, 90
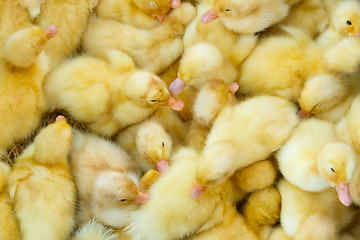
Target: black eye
227, 10
332, 169
123, 200
152, 100
144, 153
162, 144
348, 22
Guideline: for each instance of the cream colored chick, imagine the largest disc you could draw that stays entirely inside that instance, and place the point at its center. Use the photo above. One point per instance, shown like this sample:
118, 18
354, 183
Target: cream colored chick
309, 215
42, 187
233, 227
171, 213
107, 180
8, 223
314, 160
92, 92
70, 16
298, 57
242, 135
149, 144
247, 17
144, 14
153, 50
94, 230
21, 94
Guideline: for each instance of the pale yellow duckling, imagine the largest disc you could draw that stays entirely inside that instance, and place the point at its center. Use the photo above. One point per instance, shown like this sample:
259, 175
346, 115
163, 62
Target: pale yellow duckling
93, 92
8, 223
42, 187
94, 230
107, 180
312, 215
241, 135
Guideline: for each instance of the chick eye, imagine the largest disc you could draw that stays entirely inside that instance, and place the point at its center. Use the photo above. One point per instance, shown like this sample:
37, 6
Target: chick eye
227, 10
155, 4
162, 144
348, 22
152, 100
318, 105
332, 169
123, 200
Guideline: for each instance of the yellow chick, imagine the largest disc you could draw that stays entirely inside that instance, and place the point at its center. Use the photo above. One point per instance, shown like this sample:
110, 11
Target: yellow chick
145, 14
153, 50
241, 135
9, 226
107, 180
94, 230
312, 215
42, 187
70, 16
314, 160
149, 144
22, 71
94, 93
247, 17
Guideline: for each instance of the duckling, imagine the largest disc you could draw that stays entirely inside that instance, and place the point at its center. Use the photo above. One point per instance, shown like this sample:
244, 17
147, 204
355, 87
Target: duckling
71, 18
23, 71
153, 50
102, 95
247, 17
312, 215
149, 144
42, 187
325, 162
106, 178
242, 135
145, 14
9, 225
94, 230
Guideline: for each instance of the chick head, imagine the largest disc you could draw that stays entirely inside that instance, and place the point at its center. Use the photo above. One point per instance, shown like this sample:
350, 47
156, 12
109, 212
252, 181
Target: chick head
235, 8
155, 8
346, 19
153, 142
321, 93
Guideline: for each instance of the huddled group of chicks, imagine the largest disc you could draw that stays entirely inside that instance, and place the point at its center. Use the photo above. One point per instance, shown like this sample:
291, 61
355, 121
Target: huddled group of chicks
204, 119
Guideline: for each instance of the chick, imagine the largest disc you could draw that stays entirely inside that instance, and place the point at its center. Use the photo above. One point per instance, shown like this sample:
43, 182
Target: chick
9, 226
324, 162
247, 17
145, 14
71, 18
94, 93
22, 97
107, 180
242, 135
42, 187
94, 231
149, 144
308, 215
153, 50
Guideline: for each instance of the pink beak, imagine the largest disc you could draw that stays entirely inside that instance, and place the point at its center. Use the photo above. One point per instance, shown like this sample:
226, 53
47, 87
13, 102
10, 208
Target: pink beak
162, 166
175, 103
209, 16
177, 86
161, 18
142, 197
197, 190
233, 87
175, 3
344, 193
303, 115
60, 118
51, 31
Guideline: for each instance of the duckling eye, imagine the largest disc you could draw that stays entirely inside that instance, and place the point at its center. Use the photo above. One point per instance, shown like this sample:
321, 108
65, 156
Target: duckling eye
155, 4
348, 22
162, 144
123, 200
227, 10
332, 169
152, 100
318, 105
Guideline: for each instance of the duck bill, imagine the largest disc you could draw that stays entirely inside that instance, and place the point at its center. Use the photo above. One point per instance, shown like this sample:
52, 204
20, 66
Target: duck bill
209, 16
162, 166
175, 103
233, 87
142, 197
161, 18
177, 86
175, 3
197, 190
51, 31
60, 118
344, 193
303, 115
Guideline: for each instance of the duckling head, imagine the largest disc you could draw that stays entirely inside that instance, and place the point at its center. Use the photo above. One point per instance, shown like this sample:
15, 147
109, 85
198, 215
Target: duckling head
23, 46
321, 93
346, 19
149, 91
336, 163
216, 165
157, 8
154, 144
